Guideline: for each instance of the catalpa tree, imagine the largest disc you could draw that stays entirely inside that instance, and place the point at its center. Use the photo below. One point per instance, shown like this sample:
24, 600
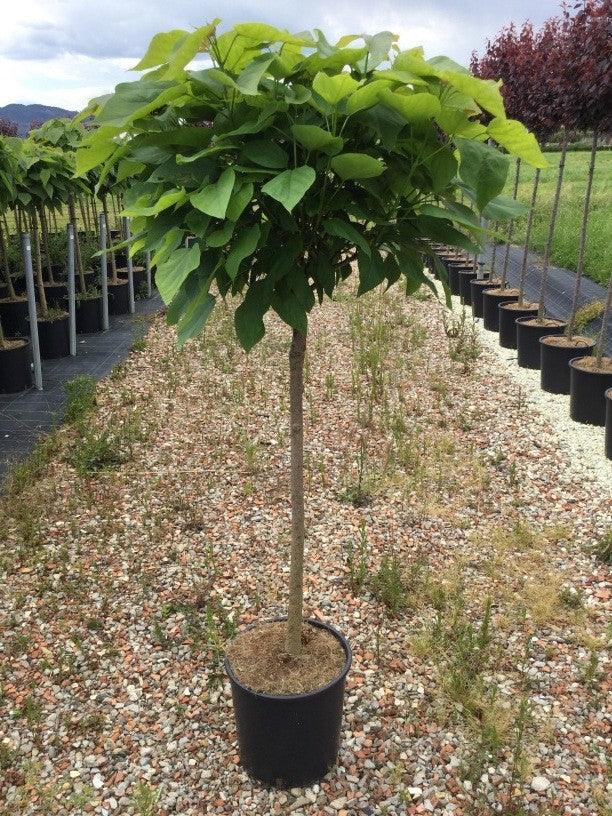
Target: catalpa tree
284, 160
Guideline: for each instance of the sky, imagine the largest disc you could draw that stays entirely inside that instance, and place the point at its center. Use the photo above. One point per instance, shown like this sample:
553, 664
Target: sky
64, 52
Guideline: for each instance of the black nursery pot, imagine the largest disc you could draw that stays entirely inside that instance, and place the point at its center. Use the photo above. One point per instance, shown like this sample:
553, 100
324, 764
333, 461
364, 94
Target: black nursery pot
118, 298
89, 315
454, 272
14, 317
609, 423
478, 288
290, 739
587, 393
466, 276
15, 368
490, 307
554, 363
56, 294
507, 321
528, 339
54, 338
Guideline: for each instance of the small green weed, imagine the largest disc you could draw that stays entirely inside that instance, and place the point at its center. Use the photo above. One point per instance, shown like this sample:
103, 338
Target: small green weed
80, 398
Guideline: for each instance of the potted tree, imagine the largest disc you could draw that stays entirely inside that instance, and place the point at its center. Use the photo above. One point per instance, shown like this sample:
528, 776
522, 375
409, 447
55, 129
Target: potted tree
321, 161
14, 363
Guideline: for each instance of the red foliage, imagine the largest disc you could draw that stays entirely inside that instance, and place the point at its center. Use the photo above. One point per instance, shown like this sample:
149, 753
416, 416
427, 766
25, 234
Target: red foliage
34, 125
8, 128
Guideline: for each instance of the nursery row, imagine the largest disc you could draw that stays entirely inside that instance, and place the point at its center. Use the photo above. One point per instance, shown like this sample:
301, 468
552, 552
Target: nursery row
570, 363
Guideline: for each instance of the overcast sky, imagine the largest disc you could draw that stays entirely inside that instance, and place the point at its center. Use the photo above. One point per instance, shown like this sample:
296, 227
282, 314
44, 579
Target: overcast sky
63, 52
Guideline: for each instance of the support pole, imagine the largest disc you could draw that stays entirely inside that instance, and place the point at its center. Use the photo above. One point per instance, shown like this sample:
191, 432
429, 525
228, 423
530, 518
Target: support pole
148, 268
71, 290
130, 266
26, 251
103, 272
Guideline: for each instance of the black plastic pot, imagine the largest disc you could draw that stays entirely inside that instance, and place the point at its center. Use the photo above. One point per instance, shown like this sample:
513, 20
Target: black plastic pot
507, 322
290, 739
454, 271
14, 317
478, 288
609, 423
466, 276
139, 276
57, 295
527, 340
587, 393
554, 363
490, 306
89, 315
118, 298
15, 368
53, 338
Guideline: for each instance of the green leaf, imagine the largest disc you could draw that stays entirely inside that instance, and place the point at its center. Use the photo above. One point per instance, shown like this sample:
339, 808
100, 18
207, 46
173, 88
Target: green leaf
172, 273
517, 140
405, 77
238, 201
445, 233
415, 107
343, 229
168, 199
290, 187
265, 153
455, 216
485, 92
242, 248
334, 89
313, 137
263, 33
367, 95
372, 272
92, 156
356, 166
483, 168
248, 80
214, 198
221, 236
504, 208
195, 316
248, 317
160, 48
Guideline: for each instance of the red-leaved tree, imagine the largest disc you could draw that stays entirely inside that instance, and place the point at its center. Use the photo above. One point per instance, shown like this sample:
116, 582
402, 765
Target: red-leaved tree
8, 128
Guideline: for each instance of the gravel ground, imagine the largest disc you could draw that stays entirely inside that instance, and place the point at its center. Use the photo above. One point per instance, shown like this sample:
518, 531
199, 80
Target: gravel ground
480, 675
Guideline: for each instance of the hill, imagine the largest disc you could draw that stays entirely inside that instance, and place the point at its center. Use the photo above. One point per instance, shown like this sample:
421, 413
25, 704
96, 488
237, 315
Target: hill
24, 115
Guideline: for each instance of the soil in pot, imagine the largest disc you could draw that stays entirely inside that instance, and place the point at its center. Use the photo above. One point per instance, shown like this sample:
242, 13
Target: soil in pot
528, 333
555, 353
288, 709
478, 288
14, 366
466, 276
491, 299
609, 423
57, 295
14, 317
89, 314
508, 315
53, 336
590, 378
118, 298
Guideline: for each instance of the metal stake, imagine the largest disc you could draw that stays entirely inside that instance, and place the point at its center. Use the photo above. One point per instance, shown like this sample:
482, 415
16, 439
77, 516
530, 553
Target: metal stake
71, 291
103, 272
148, 268
130, 266
26, 252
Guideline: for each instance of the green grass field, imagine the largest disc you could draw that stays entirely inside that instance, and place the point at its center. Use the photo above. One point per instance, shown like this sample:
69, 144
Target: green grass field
567, 235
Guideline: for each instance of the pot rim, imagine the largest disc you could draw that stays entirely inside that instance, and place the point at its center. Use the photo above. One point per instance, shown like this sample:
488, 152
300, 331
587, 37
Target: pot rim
305, 694
558, 319
544, 340
574, 364
25, 342
513, 302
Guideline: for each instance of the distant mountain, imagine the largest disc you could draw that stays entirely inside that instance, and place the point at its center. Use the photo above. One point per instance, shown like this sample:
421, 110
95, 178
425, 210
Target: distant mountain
24, 115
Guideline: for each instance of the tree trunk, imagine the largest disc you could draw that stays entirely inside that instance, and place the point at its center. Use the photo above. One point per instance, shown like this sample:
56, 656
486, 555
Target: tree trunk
84, 208
2, 340
5, 265
534, 195
604, 324
77, 244
493, 251
42, 297
583, 236
110, 251
54, 217
504, 276
45, 237
551, 229
293, 640
94, 211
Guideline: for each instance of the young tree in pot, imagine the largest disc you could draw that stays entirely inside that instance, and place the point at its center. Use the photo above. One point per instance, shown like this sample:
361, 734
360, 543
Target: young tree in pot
14, 363
318, 155
13, 307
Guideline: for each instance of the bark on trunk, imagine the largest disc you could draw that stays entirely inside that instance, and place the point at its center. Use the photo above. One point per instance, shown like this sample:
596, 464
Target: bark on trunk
504, 276
77, 244
45, 236
42, 297
571, 326
534, 195
110, 251
293, 640
551, 229
5, 265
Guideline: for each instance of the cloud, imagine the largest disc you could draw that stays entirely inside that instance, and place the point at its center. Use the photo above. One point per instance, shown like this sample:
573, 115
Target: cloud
57, 52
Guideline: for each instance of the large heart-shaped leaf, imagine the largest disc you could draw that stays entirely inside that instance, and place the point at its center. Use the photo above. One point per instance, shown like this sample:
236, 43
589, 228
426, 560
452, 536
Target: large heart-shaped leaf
290, 187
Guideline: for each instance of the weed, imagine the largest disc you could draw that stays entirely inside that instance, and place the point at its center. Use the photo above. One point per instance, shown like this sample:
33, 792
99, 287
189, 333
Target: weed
80, 398
463, 341
330, 386
25, 473
388, 585
145, 799
603, 548
357, 561
96, 451
587, 313
571, 597
8, 756
30, 709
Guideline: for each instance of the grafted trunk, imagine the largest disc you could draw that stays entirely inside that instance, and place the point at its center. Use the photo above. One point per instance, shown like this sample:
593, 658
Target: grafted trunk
534, 195
293, 640
551, 229
45, 236
110, 251
5, 264
42, 297
504, 276
571, 326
